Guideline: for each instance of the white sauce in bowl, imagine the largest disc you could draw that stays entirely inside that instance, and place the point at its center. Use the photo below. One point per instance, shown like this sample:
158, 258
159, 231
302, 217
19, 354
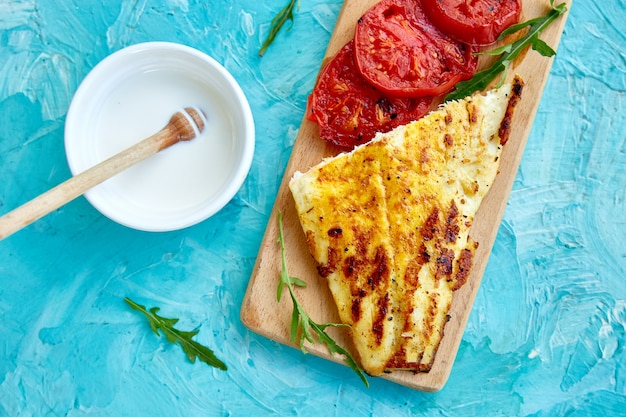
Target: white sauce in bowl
132, 95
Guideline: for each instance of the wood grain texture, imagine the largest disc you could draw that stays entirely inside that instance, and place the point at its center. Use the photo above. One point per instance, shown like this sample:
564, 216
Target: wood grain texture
178, 129
260, 310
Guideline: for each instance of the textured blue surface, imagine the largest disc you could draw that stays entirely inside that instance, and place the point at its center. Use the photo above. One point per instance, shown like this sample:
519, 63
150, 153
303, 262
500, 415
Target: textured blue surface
547, 334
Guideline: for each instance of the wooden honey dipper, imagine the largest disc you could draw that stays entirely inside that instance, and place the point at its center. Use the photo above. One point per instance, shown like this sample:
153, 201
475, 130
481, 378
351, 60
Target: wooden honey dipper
183, 126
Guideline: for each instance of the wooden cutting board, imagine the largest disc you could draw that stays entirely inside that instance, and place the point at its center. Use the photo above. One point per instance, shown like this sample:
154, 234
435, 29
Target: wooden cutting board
263, 314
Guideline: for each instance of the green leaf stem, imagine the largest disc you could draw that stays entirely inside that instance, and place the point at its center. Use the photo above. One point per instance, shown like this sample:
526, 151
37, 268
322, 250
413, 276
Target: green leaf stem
193, 349
509, 52
302, 326
285, 15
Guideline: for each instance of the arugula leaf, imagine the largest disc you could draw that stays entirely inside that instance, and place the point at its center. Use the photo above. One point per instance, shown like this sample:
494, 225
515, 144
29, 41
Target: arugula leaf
193, 349
509, 52
286, 14
302, 326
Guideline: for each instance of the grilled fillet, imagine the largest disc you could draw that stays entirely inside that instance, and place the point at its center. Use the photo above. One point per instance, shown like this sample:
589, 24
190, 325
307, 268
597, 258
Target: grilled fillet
388, 224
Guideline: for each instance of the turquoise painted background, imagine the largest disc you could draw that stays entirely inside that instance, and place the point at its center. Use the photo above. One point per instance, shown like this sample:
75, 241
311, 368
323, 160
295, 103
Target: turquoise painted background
547, 334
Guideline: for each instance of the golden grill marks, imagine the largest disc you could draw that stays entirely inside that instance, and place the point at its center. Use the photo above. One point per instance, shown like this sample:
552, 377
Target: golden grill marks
388, 225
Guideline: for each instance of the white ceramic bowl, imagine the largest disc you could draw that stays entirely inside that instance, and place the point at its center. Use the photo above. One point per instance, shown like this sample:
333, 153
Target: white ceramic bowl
131, 95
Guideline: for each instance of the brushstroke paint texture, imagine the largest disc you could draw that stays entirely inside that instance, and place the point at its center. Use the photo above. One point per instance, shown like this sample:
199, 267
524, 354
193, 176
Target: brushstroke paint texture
547, 334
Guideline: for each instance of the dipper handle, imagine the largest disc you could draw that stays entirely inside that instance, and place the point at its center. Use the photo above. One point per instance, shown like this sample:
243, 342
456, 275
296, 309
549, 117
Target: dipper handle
183, 126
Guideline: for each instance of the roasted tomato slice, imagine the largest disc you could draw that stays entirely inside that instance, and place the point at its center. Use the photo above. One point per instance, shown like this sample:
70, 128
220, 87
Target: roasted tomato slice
401, 52
477, 22
349, 111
